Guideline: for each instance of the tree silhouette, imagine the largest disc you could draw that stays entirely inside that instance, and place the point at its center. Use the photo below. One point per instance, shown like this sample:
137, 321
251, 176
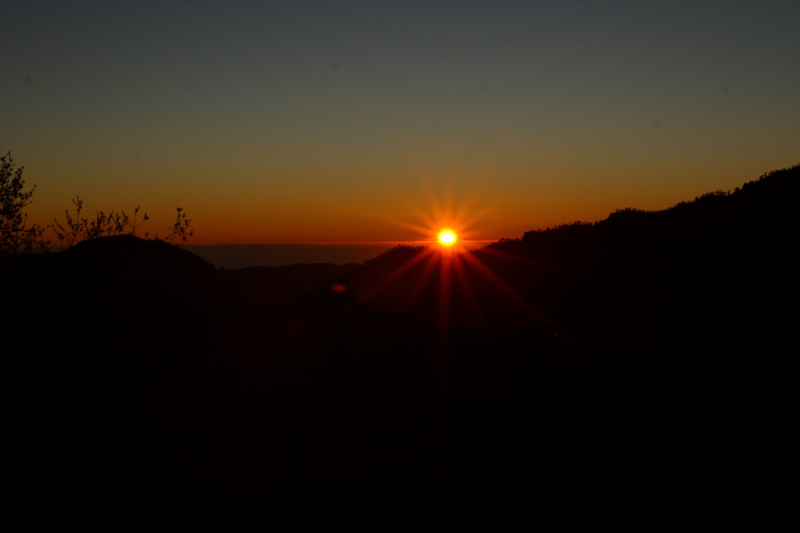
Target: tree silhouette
15, 236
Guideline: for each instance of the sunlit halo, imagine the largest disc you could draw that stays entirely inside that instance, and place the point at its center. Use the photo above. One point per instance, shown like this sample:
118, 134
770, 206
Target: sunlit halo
447, 237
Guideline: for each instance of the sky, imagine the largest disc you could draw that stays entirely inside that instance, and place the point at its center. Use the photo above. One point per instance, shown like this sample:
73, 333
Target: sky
307, 122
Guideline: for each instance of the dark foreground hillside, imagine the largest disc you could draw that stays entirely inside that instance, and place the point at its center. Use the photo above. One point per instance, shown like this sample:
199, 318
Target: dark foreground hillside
638, 372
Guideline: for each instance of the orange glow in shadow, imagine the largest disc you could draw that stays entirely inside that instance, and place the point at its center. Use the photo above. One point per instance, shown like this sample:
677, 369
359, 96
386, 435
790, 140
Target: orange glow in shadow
397, 273
448, 231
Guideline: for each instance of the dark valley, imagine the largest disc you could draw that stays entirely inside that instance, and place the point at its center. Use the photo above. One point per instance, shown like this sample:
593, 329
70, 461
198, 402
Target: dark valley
631, 372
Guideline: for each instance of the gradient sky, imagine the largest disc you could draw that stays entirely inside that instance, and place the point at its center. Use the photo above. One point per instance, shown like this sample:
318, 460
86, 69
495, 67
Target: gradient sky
279, 122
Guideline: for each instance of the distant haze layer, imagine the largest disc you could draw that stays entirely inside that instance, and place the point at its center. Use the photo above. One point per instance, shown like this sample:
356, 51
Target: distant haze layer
275, 255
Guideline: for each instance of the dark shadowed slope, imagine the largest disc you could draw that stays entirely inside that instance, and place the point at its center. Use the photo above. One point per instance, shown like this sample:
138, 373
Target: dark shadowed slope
258, 290
707, 286
634, 371
116, 295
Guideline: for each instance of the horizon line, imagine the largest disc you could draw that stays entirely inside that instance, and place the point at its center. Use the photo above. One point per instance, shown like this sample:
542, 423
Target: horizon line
337, 243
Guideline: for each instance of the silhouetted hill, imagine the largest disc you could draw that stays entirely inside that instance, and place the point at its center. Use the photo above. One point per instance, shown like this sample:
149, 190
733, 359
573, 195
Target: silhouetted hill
640, 369
760, 214
706, 283
120, 295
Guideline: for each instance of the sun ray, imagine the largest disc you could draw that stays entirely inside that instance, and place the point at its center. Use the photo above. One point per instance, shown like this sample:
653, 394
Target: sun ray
373, 292
476, 215
444, 301
408, 265
469, 291
502, 285
449, 250
488, 250
427, 269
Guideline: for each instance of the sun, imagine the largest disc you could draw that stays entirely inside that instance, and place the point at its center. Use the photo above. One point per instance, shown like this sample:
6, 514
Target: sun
447, 237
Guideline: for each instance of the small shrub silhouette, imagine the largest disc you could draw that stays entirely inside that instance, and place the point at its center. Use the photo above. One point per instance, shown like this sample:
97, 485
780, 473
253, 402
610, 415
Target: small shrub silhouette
78, 229
180, 229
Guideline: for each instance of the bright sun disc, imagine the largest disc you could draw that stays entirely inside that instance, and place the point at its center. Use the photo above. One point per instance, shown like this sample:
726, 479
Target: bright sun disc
447, 237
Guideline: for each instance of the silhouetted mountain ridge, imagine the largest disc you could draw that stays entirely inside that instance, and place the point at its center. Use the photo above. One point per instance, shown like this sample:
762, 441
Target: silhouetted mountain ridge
690, 285
761, 209
642, 368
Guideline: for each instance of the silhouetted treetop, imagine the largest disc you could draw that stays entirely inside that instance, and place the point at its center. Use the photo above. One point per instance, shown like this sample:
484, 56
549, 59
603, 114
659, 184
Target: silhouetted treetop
15, 235
400, 253
780, 189
762, 209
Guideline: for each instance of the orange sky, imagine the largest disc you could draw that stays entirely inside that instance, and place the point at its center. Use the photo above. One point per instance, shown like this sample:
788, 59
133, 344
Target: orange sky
284, 123
487, 205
